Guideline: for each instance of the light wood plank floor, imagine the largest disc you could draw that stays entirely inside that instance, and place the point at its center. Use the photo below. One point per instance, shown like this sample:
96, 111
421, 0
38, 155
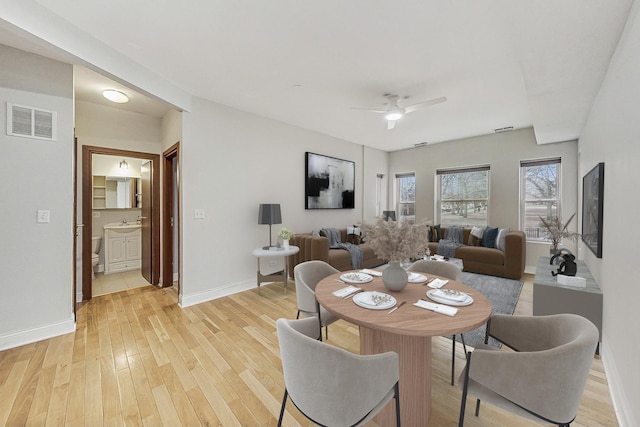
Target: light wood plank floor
138, 359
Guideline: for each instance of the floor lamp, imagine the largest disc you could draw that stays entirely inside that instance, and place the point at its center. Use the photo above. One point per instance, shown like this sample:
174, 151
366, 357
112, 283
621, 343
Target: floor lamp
269, 214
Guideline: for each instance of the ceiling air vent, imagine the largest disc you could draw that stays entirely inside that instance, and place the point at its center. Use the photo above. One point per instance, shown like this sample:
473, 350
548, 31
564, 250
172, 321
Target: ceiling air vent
30, 122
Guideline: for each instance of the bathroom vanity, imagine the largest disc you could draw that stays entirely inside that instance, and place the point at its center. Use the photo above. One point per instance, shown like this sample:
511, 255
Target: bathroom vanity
122, 247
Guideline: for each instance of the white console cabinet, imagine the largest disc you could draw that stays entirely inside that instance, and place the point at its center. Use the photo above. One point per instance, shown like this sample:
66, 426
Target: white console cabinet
123, 248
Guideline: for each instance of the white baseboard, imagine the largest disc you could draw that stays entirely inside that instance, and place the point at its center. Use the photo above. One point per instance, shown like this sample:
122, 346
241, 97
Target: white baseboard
16, 339
200, 297
622, 407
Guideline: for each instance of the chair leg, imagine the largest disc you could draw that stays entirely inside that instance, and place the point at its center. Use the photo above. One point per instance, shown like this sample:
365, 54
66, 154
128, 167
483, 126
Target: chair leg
284, 402
298, 315
397, 399
453, 357
464, 346
463, 403
477, 407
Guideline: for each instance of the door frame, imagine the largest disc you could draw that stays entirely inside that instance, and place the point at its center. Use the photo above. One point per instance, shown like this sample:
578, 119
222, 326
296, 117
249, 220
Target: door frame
87, 209
168, 208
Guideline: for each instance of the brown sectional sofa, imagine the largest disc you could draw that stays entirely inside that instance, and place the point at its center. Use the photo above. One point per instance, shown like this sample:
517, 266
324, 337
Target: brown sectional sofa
476, 259
491, 261
317, 248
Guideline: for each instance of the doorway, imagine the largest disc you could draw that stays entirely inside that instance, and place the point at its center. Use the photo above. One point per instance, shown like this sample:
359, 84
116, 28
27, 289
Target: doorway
150, 218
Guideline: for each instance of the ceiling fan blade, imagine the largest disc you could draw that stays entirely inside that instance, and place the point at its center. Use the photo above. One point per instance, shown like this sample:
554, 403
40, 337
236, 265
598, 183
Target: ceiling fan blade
368, 109
414, 107
391, 124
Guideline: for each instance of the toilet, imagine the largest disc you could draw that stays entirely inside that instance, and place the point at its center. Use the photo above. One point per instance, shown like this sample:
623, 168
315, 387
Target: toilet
95, 254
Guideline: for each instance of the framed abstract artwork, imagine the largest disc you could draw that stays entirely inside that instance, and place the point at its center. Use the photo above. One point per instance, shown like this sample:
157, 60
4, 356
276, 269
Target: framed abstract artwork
329, 182
592, 209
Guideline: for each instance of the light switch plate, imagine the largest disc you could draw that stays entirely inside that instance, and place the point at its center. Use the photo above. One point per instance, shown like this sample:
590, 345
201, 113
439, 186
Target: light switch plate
198, 213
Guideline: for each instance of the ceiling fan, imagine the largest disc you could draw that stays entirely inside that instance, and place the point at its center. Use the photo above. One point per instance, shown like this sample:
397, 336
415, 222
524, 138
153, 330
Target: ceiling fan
395, 112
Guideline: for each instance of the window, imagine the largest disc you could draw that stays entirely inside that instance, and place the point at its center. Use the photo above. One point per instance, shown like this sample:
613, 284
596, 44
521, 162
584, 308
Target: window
406, 197
539, 195
463, 196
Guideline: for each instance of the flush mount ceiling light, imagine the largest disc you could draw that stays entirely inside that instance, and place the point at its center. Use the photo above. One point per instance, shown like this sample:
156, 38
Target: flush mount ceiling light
124, 164
115, 96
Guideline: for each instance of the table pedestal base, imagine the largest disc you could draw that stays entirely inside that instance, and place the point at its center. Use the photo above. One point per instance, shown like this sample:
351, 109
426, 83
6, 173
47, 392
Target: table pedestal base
414, 354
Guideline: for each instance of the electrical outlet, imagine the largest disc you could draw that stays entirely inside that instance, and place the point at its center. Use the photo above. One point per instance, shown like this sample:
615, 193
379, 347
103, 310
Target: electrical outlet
43, 216
96, 214
198, 213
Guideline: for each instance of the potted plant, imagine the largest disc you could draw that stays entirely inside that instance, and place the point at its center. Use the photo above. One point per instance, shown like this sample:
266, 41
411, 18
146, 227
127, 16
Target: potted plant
285, 234
557, 230
396, 243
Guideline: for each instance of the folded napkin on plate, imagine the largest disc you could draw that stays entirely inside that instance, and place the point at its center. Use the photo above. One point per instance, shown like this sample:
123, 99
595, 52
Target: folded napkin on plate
341, 293
437, 283
453, 296
416, 276
371, 272
438, 308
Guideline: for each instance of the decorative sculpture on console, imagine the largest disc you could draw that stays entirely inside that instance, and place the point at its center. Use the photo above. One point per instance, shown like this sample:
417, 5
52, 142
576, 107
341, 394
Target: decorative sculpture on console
568, 266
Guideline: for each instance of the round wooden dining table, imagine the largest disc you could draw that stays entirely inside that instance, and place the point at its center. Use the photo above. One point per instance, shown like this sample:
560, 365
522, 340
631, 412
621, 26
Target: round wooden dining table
406, 331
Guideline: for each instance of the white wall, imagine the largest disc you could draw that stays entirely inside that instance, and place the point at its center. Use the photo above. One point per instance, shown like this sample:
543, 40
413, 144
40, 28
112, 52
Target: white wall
36, 259
611, 135
231, 162
503, 152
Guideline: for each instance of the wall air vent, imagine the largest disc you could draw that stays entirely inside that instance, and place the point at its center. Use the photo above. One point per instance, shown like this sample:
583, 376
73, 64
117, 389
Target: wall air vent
30, 122
504, 129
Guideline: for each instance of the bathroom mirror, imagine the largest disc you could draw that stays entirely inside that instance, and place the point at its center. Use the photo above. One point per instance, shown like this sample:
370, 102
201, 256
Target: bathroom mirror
116, 192
116, 182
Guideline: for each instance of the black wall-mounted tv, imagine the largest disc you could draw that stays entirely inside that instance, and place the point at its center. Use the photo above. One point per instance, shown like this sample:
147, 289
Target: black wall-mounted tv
592, 209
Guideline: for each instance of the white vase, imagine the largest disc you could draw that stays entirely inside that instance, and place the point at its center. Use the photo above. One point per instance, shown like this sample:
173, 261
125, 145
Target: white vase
394, 277
285, 244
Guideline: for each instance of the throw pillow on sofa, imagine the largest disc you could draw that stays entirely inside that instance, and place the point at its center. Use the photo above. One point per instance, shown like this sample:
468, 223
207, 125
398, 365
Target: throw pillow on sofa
500, 239
436, 233
478, 232
489, 237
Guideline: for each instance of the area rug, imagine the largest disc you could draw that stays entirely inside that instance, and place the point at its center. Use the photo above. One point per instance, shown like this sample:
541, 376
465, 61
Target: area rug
503, 295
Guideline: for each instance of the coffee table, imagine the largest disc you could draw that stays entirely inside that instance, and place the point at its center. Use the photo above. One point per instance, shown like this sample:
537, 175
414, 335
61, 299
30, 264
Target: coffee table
408, 332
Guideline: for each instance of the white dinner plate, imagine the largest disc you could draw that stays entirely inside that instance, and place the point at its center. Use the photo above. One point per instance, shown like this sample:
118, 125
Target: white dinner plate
433, 294
356, 277
365, 300
417, 278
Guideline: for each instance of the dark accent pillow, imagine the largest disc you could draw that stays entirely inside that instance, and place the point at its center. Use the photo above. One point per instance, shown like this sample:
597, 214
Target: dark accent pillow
436, 233
474, 241
489, 237
429, 234
323, 232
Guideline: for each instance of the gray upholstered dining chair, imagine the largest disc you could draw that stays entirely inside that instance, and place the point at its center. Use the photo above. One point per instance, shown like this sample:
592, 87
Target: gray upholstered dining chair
544, 378
306, 276
329, 385
450, 271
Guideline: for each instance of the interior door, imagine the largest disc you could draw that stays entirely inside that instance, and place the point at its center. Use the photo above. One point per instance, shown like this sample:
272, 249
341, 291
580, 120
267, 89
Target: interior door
146, 220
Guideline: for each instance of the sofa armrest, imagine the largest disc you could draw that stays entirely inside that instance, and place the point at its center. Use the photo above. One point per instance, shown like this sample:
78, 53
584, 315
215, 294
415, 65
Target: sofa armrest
311, 248
515, 246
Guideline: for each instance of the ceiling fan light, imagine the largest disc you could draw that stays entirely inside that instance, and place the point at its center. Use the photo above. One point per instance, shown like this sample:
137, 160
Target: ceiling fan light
393, 115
